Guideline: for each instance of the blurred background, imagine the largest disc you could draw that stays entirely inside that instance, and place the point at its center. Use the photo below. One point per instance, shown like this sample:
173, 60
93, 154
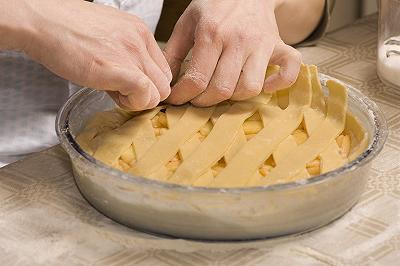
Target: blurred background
344, 13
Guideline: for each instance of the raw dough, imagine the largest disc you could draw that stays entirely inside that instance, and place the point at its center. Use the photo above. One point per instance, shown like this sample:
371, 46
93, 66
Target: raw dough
269, 139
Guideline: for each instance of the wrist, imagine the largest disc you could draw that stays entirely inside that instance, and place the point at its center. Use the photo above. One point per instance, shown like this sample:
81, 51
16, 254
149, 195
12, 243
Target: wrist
16, 29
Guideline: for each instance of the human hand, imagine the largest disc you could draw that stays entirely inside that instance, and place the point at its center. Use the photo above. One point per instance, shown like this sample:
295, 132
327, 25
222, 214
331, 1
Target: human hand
99, 47
233, 41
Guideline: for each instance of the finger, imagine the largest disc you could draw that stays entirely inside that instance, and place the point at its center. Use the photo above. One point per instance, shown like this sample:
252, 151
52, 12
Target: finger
205, 57
158, 78
135, 90
224, 79
158, 57
289, 60
252, 77
180, 43
124, 102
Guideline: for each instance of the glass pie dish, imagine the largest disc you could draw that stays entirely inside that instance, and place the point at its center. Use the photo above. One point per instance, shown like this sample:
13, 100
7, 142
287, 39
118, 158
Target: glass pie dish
217, 213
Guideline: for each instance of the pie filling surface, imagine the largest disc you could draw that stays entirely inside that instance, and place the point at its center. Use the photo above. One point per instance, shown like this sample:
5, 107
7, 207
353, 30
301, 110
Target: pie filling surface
273, 138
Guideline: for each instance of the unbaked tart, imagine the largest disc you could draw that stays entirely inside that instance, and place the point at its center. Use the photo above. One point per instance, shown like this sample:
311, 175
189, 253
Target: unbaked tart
275, 138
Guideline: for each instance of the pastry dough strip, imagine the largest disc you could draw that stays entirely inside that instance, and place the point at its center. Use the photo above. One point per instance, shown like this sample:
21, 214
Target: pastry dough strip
316, 114
332, 126
313, 117
168, 144
281, 124
215, 145
144, 139
100, 123
205, 179
355, 130
115, 142
331, 158
189, 146
173, 115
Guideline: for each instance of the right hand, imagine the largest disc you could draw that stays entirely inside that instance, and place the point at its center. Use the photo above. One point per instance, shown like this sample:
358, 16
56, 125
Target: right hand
232, 42
99, 47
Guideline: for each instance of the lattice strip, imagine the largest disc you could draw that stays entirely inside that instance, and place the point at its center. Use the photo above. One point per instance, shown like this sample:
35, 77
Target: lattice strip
331, 158
315, 115
280, 125
283, 150
174, 113
111, 144
236, 145
168, 144
144, 138
100, 123
332, 126
358, 134
215, 145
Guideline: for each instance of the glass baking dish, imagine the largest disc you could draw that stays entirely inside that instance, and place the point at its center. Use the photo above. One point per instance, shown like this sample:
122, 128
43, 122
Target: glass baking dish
213, 213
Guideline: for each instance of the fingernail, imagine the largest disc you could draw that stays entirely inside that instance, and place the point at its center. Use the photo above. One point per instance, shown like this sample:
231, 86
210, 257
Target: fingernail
169, 76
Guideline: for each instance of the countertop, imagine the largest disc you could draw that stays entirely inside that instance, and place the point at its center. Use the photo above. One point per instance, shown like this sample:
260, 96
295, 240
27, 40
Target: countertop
44, 220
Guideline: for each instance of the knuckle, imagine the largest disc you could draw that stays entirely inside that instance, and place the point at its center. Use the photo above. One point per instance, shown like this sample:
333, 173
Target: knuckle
251, 88
297, 55
212, 29
134, 47
291, 53
251, 37
198, 79
288, 77
246, 90
144, 83
130, 43
224, 92
142, 29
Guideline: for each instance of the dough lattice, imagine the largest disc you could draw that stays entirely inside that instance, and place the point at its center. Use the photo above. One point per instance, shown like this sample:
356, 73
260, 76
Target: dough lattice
272, 138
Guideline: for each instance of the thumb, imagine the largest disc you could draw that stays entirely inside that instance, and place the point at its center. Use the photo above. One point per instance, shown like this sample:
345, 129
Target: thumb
130, 88
289, 60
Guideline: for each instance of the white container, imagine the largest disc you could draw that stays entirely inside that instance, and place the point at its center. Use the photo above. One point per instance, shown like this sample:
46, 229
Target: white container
388, 61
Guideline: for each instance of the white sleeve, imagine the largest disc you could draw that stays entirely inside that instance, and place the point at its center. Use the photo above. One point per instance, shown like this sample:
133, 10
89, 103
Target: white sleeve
148, 10
113, 3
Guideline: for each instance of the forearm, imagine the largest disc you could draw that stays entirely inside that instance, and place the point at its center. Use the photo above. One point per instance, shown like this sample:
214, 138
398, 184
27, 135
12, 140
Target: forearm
297, 19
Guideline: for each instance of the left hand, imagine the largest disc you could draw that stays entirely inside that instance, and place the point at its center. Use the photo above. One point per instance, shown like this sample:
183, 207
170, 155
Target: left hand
233, 42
